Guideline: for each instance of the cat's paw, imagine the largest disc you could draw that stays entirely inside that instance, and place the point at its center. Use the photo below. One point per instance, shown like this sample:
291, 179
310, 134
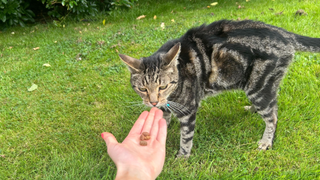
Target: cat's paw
180, 155
250, 108
264, 144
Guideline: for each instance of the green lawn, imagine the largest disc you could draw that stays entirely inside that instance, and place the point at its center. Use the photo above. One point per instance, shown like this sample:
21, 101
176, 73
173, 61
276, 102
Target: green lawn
54, 131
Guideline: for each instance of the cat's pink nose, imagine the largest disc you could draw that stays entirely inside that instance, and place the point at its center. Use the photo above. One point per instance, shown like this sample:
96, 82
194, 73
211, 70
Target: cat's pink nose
154, 103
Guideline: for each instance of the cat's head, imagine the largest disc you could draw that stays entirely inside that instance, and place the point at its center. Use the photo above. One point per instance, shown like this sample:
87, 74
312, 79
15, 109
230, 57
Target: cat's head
155, 77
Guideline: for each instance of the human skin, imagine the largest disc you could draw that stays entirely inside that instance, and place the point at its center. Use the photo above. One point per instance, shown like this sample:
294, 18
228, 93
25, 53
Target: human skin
134, 161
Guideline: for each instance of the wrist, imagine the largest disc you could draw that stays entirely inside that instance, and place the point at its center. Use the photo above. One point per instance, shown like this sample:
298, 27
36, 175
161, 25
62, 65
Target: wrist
132, 173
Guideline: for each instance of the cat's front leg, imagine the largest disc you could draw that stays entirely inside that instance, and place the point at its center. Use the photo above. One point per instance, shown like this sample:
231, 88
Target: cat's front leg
167, 117
187, 124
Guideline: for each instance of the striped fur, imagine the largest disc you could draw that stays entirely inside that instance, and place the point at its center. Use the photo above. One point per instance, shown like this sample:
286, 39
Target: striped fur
209, 59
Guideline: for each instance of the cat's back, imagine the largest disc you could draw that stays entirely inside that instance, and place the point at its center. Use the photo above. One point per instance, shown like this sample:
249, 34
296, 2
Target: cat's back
245, 36
225, 30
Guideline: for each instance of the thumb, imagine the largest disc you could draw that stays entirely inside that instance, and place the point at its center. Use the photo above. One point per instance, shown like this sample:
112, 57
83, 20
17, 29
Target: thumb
109, 138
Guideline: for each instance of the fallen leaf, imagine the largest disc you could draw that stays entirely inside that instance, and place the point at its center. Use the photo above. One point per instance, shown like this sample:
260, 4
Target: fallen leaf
104, 22
36, 48
3, 156
154, 17
279, 13
213, 4
141, 17
33, 87
10, 47
80, 32
208, 6
172, 20
301, 12
46, 65
100, 42
78, 57
162, 26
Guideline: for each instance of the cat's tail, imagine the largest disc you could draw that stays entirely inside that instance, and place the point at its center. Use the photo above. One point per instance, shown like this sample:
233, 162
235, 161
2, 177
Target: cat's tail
305, 43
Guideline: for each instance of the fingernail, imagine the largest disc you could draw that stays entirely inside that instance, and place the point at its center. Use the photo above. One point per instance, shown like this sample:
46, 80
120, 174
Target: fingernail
102, 135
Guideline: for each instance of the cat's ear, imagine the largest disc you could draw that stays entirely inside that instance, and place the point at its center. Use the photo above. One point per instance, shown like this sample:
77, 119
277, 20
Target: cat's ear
172, 55
133, 64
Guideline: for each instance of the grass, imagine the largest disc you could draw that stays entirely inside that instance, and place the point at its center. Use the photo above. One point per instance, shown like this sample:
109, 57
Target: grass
54, 131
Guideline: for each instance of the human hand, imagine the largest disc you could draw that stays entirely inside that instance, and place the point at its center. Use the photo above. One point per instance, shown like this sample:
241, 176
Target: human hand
134, 161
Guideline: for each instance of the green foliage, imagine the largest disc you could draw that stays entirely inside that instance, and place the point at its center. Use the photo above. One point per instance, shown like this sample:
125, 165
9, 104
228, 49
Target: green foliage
82, 8
79, 7
14, 12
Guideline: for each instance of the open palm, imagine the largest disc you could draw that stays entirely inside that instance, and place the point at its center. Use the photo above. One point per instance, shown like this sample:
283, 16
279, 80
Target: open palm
130, 157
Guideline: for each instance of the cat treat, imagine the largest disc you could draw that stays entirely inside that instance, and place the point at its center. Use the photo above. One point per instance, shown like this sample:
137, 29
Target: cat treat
143, 143
144, 136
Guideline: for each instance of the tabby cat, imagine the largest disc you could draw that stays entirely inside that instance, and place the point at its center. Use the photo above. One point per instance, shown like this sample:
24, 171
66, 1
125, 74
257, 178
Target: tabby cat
224, 55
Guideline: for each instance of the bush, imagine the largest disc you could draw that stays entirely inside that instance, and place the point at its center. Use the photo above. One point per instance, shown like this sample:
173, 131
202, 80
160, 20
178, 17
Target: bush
83, 7
59, 8
14, 12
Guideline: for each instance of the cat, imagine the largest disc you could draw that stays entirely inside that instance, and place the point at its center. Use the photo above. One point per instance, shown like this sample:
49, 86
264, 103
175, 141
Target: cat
248, 55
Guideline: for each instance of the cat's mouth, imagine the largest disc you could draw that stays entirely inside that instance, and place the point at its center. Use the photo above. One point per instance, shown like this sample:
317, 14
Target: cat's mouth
156, 104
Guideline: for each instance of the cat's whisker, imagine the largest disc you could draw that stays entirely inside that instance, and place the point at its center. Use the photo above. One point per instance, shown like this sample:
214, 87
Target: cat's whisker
168, 109
179, 107
176, 109
134, 105
132, 102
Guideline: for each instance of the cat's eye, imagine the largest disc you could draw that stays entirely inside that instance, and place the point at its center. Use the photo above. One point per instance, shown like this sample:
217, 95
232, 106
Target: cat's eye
142, 89
163, 87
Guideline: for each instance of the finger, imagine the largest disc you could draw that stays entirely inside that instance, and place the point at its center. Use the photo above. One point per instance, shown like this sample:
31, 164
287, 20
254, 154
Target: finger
149, 121
109, 139
162, 133
138, 125
155, 125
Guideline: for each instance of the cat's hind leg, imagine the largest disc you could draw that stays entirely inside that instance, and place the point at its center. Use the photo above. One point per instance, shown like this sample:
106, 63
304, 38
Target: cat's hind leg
266, 107
270, 118
262, 92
